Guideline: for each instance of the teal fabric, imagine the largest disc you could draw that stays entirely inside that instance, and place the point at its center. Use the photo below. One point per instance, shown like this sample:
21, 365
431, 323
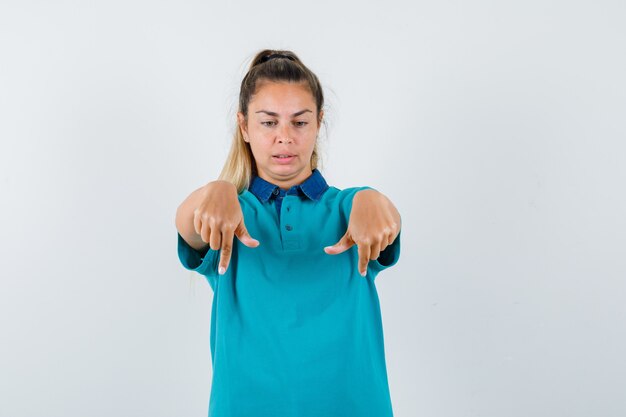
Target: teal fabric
295, 332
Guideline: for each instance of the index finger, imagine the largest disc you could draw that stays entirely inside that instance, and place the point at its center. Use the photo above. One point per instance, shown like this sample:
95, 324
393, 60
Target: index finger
364, 254
226, 250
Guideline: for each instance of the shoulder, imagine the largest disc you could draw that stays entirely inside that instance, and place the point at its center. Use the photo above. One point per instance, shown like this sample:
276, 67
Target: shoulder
342, 198
246, 196
248, 200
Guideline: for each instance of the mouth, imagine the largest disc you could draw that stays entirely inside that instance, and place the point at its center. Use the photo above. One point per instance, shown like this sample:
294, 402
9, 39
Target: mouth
283, 158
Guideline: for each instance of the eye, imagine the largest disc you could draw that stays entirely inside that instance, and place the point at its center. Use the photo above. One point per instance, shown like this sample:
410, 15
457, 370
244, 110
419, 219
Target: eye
270, 123
301, 124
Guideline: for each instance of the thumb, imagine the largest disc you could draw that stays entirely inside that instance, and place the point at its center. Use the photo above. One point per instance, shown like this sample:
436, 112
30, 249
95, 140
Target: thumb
242, 234
343, 245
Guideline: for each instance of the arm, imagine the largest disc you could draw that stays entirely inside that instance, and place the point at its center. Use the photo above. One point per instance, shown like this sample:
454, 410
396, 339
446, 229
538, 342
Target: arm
374, 225
210, 217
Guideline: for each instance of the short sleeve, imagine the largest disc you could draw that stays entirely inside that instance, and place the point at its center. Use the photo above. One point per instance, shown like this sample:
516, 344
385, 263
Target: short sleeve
346, 197
204, 262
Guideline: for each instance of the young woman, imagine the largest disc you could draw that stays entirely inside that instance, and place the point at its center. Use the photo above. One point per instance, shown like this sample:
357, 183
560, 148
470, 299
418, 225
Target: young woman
296, 328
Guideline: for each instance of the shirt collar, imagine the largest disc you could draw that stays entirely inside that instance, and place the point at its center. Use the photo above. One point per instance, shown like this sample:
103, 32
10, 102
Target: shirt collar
313, 187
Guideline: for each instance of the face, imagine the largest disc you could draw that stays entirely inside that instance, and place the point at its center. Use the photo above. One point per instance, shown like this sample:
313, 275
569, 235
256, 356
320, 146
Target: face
282, 129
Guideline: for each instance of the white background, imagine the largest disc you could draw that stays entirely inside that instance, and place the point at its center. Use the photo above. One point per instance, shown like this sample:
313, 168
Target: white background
497, 128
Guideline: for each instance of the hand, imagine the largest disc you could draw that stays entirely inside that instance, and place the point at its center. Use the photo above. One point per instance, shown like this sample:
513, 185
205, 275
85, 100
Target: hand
374, 224
218, 217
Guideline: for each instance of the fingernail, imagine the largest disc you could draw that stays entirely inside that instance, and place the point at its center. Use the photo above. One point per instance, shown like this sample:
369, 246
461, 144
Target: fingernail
362, 273
221, 270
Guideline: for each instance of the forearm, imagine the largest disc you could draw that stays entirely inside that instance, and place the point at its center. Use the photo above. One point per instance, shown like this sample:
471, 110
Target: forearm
184, 219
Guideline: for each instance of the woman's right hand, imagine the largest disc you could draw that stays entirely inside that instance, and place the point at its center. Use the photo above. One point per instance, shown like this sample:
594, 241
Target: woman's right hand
218, 218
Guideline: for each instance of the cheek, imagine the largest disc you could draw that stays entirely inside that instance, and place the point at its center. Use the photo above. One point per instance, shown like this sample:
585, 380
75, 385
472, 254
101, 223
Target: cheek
260, 146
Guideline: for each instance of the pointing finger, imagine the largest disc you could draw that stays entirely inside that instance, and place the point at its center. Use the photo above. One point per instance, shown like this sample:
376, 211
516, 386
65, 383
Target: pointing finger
364, 253
226, 250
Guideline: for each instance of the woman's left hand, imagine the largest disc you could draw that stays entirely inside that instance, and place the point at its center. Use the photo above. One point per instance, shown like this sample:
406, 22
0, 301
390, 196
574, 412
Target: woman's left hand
374, 224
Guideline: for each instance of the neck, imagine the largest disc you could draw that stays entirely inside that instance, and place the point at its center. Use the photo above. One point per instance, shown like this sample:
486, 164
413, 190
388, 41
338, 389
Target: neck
287, 183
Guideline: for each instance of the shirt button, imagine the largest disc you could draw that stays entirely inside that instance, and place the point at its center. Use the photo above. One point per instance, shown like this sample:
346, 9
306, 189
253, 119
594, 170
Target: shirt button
288, 227
275, 192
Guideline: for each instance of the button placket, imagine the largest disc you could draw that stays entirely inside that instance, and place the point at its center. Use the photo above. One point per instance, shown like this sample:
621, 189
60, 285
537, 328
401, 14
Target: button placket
287, 215
288, 233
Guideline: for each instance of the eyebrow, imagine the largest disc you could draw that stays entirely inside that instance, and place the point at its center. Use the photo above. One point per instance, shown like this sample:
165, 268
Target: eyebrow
271, 113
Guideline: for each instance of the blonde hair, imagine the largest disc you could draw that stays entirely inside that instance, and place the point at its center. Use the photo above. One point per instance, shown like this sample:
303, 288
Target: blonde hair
267, 65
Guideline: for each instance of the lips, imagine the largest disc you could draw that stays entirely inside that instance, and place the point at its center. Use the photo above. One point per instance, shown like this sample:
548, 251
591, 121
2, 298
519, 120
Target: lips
283, 159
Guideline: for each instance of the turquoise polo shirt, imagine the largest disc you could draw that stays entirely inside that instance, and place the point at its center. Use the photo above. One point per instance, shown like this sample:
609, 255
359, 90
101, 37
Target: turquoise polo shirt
295, 332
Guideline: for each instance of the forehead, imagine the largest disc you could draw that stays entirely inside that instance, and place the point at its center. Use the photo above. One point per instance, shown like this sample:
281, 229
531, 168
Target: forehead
285, 96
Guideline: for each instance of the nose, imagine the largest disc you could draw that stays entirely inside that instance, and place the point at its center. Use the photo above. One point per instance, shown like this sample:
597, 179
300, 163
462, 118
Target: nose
284, 135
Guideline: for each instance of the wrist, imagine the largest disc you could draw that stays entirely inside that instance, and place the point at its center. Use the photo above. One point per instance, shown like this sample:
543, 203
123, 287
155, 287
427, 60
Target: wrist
220, 185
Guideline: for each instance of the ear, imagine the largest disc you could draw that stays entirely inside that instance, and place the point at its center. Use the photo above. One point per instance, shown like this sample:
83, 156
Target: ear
319, 121
241, 121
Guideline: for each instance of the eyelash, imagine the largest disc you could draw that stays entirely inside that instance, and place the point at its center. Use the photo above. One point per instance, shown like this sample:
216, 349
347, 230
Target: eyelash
300, 125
